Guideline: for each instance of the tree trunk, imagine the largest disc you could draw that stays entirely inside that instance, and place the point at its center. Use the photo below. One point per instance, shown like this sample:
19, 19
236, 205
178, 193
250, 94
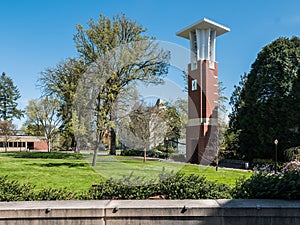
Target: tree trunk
96, 150
95, 157
49, 145
112, 142
145, 154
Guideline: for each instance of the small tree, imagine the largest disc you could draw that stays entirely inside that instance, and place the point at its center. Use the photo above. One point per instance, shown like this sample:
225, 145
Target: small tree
43, 114
7, 129
143, 128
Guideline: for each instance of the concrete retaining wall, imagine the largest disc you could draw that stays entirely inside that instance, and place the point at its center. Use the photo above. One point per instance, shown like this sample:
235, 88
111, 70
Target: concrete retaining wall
173, 212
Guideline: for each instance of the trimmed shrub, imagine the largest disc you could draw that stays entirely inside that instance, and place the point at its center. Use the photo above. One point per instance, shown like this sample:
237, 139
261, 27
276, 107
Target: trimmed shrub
150, 153
11, 190
54, 194
269, 186
176, 186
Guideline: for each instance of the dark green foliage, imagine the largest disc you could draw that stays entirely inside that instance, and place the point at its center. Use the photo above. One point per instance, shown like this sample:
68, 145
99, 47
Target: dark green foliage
265, 105
269, 186
9, 95
180, 186
176, 186
150, 153
54, 194
15, 191
260, 163
61, 82
11, 190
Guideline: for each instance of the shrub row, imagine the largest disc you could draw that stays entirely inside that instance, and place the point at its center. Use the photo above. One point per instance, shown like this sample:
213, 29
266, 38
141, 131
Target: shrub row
178, 186
169, 186
11, 190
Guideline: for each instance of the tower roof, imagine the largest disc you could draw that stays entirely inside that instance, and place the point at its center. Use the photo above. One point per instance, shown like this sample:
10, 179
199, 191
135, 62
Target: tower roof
203, 24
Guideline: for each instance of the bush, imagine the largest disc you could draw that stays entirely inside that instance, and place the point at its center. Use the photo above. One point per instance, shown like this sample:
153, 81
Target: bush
269, 186
292, 166
176, 186
151, 153
11, 190
261, 164
14, 191
54, 194
292, 153
180, 186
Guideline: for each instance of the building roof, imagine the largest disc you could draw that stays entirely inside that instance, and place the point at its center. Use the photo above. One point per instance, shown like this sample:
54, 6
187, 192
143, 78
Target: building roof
203, 24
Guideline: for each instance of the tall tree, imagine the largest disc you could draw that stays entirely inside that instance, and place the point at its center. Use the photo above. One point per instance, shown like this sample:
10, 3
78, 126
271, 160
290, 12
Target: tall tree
263, 105
125, 54
61, 83
9, 95
43, 114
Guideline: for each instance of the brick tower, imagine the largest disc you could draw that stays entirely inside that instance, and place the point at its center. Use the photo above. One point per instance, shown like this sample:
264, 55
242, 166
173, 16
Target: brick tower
202, 127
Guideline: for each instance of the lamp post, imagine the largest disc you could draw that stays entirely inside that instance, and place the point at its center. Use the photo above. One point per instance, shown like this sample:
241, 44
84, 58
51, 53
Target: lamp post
276, 143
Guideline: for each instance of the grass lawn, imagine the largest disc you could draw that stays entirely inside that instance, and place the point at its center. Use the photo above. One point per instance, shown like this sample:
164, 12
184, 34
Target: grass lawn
118, 167
74, 172
71, 173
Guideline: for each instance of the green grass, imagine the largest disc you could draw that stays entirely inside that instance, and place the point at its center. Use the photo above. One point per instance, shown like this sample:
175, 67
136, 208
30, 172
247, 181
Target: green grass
73, 172
118, 167
70, 173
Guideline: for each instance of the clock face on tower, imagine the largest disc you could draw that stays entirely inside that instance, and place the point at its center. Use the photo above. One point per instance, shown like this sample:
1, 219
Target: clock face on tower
194, 85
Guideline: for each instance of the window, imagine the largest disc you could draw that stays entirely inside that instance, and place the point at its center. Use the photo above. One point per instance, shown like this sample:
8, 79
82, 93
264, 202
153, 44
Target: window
194, 85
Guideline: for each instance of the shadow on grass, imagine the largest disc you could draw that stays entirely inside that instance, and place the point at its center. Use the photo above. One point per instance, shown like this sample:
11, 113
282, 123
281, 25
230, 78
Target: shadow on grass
62, 164
43, 155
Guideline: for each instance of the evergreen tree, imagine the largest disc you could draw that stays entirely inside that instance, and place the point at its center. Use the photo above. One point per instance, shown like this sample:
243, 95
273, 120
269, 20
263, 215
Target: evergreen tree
9, 95
265, 106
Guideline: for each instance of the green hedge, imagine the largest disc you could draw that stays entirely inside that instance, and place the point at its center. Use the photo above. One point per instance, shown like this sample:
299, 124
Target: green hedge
151, 153
178, 186
269, 186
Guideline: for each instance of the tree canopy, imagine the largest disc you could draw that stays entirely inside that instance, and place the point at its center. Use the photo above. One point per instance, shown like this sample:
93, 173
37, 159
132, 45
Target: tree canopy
265, 104
118, 53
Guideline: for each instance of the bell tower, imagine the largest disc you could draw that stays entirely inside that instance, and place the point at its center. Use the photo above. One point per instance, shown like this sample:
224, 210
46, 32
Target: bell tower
202, 127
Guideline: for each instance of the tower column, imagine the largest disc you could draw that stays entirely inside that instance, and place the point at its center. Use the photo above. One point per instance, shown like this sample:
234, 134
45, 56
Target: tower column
202, 127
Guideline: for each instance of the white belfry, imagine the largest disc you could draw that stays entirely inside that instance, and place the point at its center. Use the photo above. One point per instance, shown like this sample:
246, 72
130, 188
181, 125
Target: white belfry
202, 36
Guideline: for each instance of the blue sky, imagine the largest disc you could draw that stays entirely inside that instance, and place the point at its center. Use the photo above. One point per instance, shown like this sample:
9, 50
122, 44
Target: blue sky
36, 34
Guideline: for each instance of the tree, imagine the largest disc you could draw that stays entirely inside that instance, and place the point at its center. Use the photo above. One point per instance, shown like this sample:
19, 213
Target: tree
43, 114
61, 82
9, 95
120, 45
263, 105
7, 129
143, 128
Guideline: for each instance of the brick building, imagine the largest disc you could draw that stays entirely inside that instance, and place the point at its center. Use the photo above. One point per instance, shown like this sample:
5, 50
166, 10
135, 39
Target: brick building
23, 143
